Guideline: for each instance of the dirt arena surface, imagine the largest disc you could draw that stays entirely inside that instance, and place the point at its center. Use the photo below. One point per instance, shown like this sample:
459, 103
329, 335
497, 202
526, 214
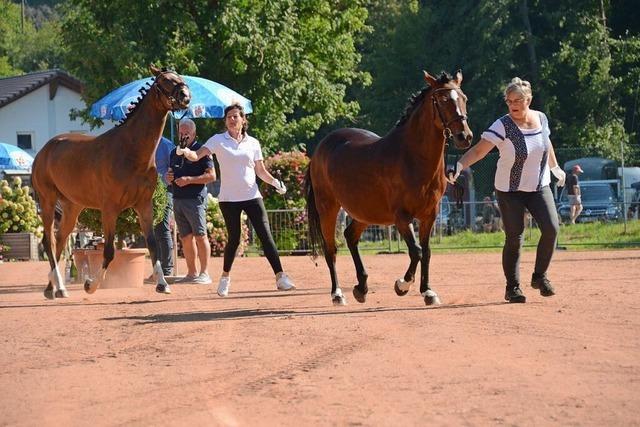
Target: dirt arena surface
262, 357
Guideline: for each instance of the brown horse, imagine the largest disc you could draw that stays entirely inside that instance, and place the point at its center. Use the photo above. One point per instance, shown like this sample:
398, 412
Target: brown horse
110, 172
388, 180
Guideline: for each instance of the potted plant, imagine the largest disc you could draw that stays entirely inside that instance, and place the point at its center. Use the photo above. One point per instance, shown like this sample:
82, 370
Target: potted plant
20, 226
127, 267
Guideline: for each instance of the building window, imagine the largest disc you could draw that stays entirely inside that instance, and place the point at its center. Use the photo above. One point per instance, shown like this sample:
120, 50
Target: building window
25, 141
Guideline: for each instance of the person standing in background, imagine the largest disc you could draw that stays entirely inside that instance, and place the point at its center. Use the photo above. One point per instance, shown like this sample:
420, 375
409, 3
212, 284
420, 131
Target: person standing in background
189, 179
573, 193
162, 230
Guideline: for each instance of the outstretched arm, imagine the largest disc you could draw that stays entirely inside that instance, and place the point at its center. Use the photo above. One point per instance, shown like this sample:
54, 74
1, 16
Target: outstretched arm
475, 153
191, 155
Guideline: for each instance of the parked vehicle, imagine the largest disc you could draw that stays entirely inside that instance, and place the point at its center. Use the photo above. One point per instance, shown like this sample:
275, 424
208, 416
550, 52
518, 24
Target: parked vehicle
600, 202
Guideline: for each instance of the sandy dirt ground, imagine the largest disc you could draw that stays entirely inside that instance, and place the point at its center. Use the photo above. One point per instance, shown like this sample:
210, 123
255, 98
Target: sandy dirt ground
262, 357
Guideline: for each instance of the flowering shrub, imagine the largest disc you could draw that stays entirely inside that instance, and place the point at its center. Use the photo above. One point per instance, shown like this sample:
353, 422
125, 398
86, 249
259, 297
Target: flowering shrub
218, 232
3, 249
18, 213
289, 167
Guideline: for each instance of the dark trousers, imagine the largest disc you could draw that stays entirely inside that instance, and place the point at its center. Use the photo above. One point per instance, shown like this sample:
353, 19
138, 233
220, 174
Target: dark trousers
542, 208
162, 232
232, 211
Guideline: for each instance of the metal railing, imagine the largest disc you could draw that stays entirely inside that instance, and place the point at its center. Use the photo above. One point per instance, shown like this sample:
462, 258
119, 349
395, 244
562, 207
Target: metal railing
290, 230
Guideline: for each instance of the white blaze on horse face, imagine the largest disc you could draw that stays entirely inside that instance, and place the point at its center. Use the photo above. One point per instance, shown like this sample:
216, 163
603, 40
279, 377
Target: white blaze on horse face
454, 96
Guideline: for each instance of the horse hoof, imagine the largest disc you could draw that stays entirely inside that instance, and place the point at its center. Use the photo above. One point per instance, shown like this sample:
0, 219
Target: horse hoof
87, 286
62, 293
359, 296
163, 289
431, 298
402, 288
48, 294
338, 298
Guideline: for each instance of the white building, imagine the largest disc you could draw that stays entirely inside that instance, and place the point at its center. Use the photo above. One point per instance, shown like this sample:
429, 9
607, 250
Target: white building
35, 107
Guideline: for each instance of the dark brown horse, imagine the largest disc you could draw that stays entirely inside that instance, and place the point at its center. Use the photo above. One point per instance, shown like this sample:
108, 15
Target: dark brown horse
388, 180
110, 172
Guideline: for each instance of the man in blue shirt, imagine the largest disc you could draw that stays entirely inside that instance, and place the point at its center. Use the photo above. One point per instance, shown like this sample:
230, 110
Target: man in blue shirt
162, 230
189, 181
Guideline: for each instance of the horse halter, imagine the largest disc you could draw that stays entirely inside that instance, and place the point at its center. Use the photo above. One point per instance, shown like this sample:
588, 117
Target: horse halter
173, 95
447, 131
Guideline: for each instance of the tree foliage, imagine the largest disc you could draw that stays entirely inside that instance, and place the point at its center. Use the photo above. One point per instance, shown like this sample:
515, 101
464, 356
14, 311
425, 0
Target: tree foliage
584, 74
31, 44
294, 59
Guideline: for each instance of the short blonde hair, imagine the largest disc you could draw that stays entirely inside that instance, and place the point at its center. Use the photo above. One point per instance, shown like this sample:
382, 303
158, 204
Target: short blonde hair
518, 86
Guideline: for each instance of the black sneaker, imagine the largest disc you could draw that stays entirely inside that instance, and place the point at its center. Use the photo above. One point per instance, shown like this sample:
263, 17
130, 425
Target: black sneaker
514, 294
543, 284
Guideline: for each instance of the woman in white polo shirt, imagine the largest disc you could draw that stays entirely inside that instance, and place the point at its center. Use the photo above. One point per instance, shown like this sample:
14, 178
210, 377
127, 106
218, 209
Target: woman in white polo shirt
522, 182
240, 158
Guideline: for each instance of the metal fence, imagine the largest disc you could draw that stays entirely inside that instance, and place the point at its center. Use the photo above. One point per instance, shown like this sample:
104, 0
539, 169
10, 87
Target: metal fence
289, 227
290, 230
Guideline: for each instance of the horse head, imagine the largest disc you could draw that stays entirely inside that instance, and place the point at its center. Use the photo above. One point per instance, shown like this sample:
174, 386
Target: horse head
172, 89
450, 104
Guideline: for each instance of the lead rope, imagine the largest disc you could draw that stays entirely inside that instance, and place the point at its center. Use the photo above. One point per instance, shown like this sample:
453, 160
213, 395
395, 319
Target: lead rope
458, 189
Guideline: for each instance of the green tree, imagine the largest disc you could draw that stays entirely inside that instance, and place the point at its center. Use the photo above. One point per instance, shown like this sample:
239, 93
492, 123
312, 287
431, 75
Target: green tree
294, 59
31, 44
582, 77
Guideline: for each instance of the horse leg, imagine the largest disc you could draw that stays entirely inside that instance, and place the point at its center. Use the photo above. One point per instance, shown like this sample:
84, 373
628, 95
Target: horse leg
47, 214
108, 229
70, 214
352, 234
145, 218
405, 228
328, 216
430, 297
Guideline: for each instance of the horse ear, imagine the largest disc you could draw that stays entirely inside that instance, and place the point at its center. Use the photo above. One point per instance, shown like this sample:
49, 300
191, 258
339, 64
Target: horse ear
459, 77
154, 70
429, 78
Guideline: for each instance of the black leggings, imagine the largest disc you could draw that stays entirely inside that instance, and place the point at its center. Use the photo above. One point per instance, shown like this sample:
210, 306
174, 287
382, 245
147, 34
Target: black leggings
232, 211
542, 208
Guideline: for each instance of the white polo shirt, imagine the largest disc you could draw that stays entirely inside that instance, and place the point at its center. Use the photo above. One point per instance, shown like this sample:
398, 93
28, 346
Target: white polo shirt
523, 163
237, 166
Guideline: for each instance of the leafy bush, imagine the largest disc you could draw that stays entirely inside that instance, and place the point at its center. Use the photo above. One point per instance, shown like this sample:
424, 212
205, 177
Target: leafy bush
289, 167
290, 233
18, 212
127, 223
3, 248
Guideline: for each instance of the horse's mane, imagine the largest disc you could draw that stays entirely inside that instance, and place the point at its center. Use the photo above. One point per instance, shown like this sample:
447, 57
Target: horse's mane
416, 99
144, 90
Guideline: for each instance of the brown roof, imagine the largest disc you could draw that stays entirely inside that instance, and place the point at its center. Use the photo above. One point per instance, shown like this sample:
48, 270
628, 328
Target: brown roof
13, 88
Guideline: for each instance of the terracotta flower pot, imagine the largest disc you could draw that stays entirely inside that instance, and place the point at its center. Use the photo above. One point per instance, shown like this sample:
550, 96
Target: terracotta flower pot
125, 271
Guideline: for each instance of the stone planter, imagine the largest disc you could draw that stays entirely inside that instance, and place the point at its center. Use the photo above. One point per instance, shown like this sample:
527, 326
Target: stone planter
23, 246
125, 271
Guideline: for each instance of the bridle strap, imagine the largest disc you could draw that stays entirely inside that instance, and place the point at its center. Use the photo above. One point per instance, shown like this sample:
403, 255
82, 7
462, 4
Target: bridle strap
171, 96
458, 189
447, 131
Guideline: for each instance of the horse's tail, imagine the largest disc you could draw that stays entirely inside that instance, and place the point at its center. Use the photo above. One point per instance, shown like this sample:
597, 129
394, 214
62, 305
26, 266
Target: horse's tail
316, 240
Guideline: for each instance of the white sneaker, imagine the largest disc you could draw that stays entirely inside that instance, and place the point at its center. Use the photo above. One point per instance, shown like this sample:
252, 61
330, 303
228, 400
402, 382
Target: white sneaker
203, 279
284, 283
223, 286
